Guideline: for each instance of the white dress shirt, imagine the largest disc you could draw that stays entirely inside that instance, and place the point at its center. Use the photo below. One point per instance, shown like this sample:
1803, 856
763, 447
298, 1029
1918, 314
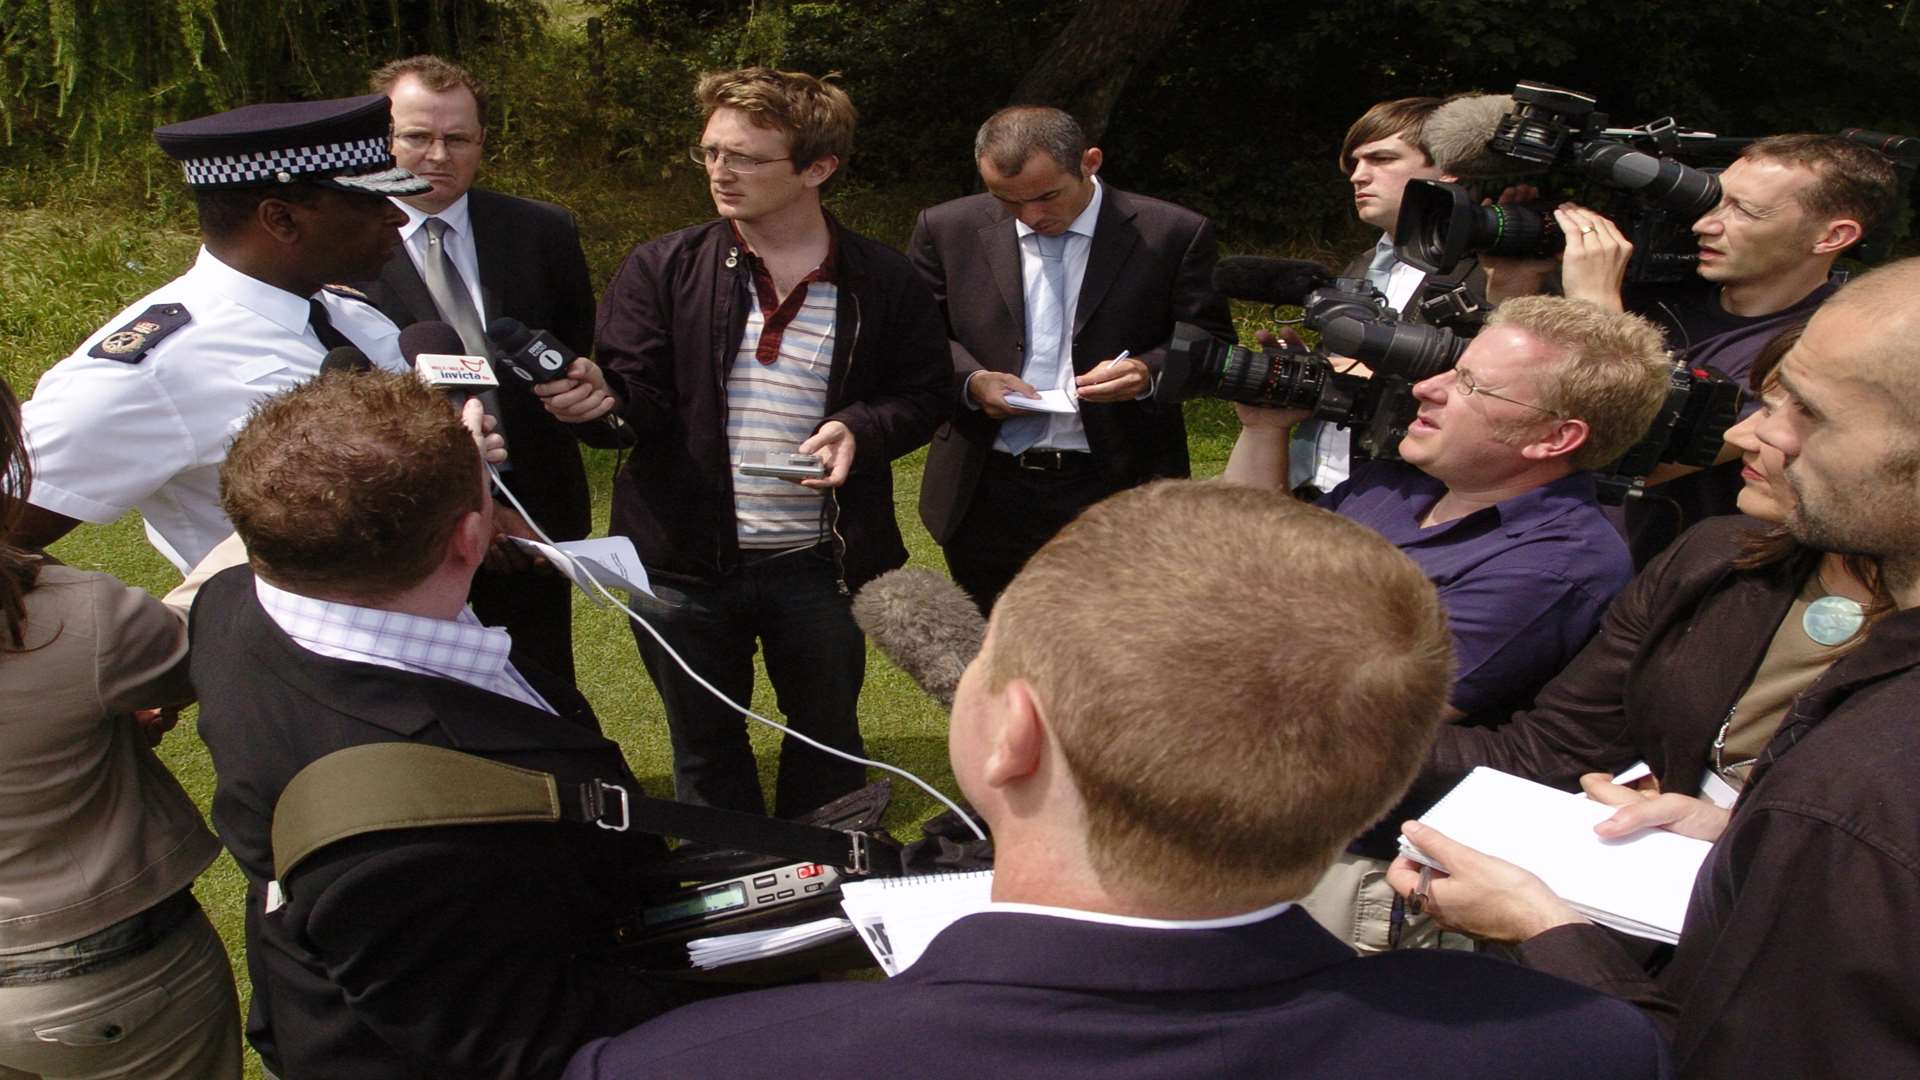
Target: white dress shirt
1142, 923
459, 648
1064, 430
107, 436
458, 240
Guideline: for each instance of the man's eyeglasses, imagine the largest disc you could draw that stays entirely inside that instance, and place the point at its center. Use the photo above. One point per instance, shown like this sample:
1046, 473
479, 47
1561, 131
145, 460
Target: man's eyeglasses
420, 142
709, 156
1463, 379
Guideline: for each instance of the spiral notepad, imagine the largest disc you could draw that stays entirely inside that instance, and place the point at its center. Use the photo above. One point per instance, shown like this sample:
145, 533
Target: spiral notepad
897, 917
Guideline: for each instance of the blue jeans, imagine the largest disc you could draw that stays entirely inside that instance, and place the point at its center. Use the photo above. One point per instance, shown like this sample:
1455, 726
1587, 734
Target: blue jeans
792, 607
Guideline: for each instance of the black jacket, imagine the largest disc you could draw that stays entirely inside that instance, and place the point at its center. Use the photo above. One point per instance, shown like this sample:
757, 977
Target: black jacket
670, 324
531, 269
468, 951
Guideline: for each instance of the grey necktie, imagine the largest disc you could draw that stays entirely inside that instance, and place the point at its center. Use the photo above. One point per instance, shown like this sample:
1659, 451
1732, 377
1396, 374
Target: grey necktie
1047, 332
450, 293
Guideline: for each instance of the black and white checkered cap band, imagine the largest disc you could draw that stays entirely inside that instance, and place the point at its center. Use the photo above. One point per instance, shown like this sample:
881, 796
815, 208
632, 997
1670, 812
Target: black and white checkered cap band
295, 162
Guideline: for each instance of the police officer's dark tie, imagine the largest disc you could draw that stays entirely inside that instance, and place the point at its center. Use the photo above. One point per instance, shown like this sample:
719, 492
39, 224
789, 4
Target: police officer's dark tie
323, 326
450, 293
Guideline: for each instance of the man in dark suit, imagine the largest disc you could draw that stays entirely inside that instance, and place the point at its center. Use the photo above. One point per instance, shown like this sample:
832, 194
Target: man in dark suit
1161, 777
464, 951
1052, 282
1383, 150
509, 257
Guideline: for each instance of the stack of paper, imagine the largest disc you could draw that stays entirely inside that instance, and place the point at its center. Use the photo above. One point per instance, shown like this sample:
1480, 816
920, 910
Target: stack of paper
1639, 885
897, 917
713, 952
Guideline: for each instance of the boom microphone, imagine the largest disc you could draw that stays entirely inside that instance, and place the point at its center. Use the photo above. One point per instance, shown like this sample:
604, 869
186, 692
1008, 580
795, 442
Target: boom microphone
345, 358
1269, 281
537, 356
924, 624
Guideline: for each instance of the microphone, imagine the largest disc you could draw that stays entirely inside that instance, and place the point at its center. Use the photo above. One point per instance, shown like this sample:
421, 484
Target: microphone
1458, 132
924, 624
537, 356
1269, 281
345, 358
441, 361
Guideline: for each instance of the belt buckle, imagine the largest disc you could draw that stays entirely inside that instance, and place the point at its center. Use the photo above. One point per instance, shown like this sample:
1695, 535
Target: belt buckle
1039, 460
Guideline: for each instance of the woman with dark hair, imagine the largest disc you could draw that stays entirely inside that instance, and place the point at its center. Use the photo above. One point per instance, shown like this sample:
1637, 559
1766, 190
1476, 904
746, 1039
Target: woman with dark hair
108, 967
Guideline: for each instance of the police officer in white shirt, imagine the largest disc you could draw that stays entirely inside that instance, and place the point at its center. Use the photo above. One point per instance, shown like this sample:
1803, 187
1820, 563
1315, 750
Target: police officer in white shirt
290, 198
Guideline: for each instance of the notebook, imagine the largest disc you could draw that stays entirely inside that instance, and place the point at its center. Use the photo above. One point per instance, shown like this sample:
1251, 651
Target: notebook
897, 917
1639, 885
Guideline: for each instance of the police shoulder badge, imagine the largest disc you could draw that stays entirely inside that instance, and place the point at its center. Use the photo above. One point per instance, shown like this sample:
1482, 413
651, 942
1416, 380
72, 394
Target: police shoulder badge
131, 343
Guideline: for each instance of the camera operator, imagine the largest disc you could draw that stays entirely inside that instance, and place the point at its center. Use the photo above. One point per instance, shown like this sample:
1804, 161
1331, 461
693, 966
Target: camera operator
1790, 206
1383, 149
1496, 502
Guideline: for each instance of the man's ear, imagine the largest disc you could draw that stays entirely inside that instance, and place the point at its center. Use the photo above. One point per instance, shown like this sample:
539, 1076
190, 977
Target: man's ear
1090, 161
1565, 437
1839, 235
471, 538
281, 219
817, 172
1017, 743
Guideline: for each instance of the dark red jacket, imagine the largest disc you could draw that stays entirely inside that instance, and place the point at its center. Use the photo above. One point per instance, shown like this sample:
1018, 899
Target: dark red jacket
670, 324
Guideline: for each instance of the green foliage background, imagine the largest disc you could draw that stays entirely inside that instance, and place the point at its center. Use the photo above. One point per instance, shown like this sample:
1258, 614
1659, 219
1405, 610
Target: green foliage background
1236, 111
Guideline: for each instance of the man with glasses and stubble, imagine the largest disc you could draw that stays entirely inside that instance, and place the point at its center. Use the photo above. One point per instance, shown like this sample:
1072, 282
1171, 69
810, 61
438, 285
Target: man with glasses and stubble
770, 329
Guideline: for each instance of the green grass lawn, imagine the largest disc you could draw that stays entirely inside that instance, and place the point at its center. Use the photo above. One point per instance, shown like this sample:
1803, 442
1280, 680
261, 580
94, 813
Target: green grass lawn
67, 266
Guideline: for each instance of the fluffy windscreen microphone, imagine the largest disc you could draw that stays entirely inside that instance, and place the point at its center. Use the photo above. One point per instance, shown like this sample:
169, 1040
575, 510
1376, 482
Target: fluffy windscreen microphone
925, 624
1269, 281
1457, 133
345, 358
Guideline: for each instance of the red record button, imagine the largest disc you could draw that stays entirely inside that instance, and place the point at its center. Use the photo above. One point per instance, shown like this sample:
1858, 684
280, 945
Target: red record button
807, 871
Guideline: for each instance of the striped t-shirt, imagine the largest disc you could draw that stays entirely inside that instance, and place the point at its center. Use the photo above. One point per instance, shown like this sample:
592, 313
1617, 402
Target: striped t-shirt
777, 406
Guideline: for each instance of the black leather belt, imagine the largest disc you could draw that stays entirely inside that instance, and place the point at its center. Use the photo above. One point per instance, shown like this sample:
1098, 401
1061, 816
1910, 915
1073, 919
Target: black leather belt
1049, 460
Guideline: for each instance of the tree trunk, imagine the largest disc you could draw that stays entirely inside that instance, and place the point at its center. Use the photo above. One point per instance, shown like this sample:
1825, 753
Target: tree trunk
1087, 66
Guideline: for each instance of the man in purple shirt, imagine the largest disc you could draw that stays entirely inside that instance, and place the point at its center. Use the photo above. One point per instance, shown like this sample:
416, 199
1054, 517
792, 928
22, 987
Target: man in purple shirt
1494, 498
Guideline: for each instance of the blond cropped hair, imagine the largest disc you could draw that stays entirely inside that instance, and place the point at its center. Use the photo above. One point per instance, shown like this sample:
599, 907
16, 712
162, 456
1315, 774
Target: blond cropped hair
1254, 686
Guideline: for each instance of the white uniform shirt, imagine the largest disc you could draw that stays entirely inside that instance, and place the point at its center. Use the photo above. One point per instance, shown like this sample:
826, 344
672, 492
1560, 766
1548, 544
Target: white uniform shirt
459, 243
108, 436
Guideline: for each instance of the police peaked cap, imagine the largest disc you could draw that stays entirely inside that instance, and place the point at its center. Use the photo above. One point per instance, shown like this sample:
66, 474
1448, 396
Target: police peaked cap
341, 143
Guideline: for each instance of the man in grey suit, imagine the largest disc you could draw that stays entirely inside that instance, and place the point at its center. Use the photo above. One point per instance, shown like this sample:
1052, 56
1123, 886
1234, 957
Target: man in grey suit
1052, 282
469, 256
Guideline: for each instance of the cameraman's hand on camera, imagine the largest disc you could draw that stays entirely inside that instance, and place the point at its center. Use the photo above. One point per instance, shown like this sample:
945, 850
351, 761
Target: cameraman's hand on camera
1596, 259
580, 397
989, 389
1508, 276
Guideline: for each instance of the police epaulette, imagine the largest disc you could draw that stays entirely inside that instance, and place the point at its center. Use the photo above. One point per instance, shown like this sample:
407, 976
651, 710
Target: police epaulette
349, 292
131, 343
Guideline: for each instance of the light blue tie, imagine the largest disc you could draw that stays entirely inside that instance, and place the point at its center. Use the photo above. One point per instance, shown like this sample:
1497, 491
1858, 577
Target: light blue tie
1380, 271
1046, 338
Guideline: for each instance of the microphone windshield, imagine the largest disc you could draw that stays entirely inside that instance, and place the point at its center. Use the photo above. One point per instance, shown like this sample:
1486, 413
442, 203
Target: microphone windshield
509, 334
1457, 134
1269, 281
924, 624
431, 336
345, 358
